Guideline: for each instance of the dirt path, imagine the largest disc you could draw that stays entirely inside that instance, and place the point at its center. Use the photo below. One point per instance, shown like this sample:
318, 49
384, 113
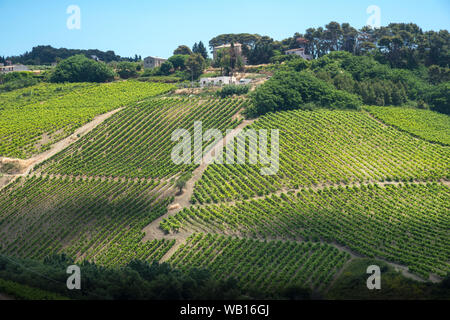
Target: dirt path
323, 186
181, 201
28, 164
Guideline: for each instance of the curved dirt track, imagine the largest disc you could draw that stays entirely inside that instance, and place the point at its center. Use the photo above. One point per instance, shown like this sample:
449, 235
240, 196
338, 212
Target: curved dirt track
28, 164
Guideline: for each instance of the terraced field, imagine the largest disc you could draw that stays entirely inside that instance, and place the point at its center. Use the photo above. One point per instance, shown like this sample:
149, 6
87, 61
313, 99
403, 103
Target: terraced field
30, 124
327, 147
86, 218
94, 199
426, 124
408, 224
136, 142
262, 265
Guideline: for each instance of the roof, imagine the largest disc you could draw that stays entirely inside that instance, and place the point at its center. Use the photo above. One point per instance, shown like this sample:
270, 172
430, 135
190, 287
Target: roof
301, 40
158, 58
296, 49
218, 78
237, 44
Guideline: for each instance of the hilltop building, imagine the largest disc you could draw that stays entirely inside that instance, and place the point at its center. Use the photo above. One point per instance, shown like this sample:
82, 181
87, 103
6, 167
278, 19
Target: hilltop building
237, 50
300, 51
153, 62
13, 68
217, 81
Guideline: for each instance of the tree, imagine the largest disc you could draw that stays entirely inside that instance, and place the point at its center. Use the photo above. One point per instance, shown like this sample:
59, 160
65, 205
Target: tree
201, 49
182, 180
195, 64
260, 52
166, 68
182, 50
179, 61
127, 69
78, 68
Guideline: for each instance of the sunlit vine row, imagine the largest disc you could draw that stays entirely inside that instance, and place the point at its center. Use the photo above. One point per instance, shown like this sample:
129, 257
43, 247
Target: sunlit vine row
136, 142
327, 147
408, 224
32, 128
262, 265
84, 218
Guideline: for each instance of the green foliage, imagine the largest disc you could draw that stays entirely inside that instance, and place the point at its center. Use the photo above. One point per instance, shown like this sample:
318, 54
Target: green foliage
201, 49
268, 267
81, 69
438, 74
166, 68
147, 127
233, 89
17, 80
426, 124
182, 180
126, 69
406, 224
195, 65
89, 218
326, 147
439, 98
19, 291
352, 284
183, 50
179, 61
47, 54
138, 280
33, 118
162, 79
288, 90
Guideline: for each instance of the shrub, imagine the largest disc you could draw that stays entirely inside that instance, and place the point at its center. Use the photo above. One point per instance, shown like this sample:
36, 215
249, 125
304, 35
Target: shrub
233, 89
288, 90
78, 68
17, 80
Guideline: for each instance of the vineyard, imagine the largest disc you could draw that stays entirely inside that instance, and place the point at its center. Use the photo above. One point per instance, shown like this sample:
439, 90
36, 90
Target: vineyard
262, 265
407, 224
327, 147
94, 219
136, 142
426, 124
31, 122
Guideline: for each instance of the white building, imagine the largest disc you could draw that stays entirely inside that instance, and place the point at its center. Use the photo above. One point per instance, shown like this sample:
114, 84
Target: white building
217, 81
245, 81
299, 52
13, 68
153, 62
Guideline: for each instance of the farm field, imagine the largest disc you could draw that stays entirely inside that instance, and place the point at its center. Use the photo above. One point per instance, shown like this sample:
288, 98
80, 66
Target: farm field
426, 124
407, 224
39, 93
136, 142
262, 265
327, 147
94, 219
30, 125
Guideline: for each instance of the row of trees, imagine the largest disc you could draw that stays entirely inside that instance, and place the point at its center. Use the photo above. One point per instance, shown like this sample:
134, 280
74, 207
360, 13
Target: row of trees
40, 55
186, 63
401, 45
342, 79
135, 281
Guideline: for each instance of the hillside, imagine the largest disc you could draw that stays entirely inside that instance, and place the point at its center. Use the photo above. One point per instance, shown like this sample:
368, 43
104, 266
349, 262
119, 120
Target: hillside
285, 188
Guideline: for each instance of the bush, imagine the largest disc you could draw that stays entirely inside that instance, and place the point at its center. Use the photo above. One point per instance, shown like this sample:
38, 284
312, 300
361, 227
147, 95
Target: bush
439, 98
288, 90
233, 89
78, 68
127, 69
17, 80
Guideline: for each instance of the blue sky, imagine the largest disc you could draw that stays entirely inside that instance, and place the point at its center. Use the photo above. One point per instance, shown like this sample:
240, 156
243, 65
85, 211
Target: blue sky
158, 27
